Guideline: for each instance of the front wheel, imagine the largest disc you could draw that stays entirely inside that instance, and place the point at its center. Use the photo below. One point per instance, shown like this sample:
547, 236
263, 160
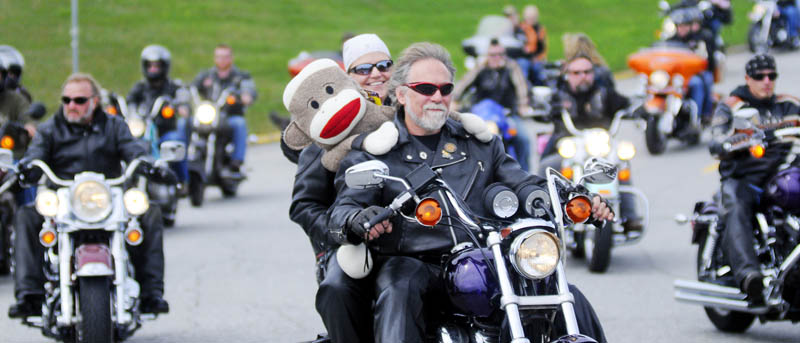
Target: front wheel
95, 305
6, 252
598, 248
197, 190
655, 139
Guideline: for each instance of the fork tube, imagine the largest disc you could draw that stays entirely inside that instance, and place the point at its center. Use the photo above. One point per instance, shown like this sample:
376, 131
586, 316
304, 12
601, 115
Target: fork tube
566, 307
509, 299
117, 244
211, 151
65, 276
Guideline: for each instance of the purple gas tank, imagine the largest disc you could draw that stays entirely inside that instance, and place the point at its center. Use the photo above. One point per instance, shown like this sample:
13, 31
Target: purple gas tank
469, 282
784, 190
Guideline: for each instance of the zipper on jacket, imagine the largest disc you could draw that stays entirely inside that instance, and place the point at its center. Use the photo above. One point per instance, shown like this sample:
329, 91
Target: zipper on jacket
472, 179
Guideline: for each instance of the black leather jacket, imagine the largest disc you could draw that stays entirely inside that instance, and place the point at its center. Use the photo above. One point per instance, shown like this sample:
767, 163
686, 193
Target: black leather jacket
312, 195
468, 169
143, 95
240, 81
69, 149
595, 107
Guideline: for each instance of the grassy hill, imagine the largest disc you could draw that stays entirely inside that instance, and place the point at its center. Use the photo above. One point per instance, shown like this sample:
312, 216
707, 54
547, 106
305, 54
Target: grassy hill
266, 34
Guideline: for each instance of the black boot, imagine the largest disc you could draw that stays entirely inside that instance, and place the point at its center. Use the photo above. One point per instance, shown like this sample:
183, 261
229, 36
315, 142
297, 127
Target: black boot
753, 285
154, 304
29, 305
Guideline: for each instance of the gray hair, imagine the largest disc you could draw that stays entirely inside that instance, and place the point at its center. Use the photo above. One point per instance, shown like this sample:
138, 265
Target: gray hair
83, 77
414, 53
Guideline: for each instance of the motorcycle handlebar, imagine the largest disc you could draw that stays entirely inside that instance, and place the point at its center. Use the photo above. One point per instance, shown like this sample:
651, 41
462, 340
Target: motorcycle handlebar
385, 214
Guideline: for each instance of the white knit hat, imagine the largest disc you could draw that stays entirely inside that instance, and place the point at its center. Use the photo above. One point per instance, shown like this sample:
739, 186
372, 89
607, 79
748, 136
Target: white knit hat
361, 45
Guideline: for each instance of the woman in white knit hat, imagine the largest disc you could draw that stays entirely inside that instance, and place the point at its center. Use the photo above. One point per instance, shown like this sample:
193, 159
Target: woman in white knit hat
367, 61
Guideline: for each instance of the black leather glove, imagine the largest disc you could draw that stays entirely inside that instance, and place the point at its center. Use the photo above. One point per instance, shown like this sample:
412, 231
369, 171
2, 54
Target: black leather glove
162, 175
28, 175
355, 226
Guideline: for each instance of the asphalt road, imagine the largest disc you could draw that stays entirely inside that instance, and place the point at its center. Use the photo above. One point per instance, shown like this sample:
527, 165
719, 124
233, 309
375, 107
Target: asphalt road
238, 270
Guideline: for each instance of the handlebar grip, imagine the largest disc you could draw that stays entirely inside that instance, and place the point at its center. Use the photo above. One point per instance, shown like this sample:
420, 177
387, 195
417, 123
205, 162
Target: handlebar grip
385, 214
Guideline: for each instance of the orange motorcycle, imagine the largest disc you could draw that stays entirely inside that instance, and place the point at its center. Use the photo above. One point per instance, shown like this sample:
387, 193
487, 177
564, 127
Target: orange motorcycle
665, 70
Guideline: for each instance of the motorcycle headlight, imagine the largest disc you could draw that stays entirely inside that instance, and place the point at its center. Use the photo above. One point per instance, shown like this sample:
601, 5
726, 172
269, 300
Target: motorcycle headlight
659, 79
91, 201
567, 148
137, 126
598, 142
136, 202
626, 151
535, 254
205, 114
47, 203
668, 28
677, 81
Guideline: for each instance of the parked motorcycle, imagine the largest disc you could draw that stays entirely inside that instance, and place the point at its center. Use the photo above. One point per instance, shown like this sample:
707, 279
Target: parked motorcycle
768, 28
91, 294
211, 146
664, 69
776, 238
516, 256
595, 243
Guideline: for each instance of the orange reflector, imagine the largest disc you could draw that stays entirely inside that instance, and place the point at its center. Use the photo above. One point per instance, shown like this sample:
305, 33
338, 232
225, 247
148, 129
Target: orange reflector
604, 192
504, 232
134, 236
624, 175
7, 142
167, 112
47, 238
567, 172
428, 212
230, 100
757, 151
578, 209
111, 110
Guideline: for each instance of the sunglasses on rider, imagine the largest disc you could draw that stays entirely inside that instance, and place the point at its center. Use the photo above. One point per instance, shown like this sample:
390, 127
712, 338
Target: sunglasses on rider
758, 77
429, 89
578, 72
366, 68
80, 100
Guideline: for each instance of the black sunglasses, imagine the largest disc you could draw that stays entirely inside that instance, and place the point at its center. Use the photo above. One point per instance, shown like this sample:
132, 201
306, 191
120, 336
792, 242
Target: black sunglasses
80, 100
428, 89
758, 77
366, 68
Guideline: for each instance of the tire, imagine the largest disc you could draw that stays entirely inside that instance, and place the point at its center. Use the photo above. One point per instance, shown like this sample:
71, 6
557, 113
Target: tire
6, 253
580, 249
169, 222
229, 190
723, 320
95, 304
600, 257
656, 141
197, 190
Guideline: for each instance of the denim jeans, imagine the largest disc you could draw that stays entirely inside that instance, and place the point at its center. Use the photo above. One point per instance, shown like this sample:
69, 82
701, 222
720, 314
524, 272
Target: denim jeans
239, 126
700, 91
792, 16
521, 143
181, 168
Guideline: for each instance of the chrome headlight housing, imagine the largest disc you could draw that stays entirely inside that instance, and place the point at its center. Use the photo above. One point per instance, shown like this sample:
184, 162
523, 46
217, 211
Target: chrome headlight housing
567, 147
205, 114
91, 201
535, 254
137, 126
626, 150
47, 203
659, 79
598, 142
136, 202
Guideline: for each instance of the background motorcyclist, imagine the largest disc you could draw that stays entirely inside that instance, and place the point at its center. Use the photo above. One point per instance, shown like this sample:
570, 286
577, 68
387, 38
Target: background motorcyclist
535, 49
500, 80
741, 174
790, 12
411, 277
156, 60
590, 104
13, 104
212, 82
81, 137
15, 63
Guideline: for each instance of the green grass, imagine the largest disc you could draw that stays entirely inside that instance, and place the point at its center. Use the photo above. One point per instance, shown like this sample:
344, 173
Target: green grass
266, 34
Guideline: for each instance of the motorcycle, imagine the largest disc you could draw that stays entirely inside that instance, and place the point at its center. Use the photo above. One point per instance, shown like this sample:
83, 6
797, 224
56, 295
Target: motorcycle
767, 28
91, 294
595, 243
776, 242
211, 146
496, 116
517, 258
664, 69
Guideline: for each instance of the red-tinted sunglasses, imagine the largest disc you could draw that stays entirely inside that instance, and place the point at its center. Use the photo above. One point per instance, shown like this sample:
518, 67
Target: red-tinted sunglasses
429, 89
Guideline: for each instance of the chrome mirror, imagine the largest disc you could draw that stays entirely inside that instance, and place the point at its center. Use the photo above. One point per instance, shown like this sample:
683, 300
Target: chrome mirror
663, 5
6, 158
172, 151
599, 171
366, 174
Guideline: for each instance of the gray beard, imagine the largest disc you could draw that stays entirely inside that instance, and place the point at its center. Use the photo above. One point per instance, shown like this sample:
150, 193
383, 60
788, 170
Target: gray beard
86, 118
429, 122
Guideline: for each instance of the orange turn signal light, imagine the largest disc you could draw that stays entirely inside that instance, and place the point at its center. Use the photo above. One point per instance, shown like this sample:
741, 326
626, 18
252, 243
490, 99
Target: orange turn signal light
47, 237
757, 151
230, 100
7, 142
512, 131
429, 212
504, 232
133, 236
624, 175
578, 209
167, 112
111, 110
567, 172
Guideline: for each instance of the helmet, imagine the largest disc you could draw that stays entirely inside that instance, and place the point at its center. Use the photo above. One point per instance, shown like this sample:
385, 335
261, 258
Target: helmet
156, 53
681, 16
14, 62
784, 189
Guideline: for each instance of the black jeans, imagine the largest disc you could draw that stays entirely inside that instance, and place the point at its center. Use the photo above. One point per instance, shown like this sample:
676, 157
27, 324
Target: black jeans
147, 258
738, 201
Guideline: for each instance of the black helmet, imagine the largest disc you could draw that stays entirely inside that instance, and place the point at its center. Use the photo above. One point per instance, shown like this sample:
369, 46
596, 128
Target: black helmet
11, 65
156, 53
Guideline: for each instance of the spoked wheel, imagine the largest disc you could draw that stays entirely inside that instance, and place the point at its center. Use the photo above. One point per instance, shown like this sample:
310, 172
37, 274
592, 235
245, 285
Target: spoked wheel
598, 248
723, 320
655, 139
95, 306
197, 190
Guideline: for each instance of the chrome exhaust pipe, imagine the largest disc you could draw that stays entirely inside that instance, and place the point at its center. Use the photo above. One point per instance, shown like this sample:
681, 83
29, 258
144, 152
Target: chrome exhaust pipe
713, 295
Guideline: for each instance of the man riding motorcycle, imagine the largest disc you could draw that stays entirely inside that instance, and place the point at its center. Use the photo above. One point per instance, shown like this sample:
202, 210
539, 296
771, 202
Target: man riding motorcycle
501, 80
81, 137
405, 275
14, 64
224, 75
590, 104
741, 174
156, 61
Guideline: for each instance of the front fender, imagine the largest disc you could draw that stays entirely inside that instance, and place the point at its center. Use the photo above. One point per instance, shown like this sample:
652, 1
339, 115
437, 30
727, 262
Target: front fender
93, 260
